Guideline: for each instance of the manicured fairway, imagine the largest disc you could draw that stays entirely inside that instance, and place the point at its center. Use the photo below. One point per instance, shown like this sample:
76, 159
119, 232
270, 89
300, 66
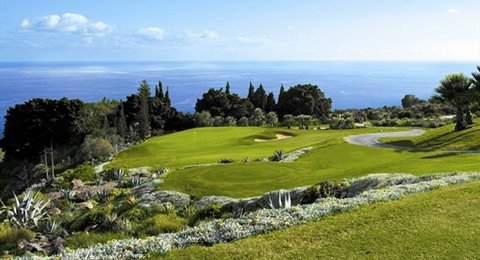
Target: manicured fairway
331, 158
444, 138
441, 224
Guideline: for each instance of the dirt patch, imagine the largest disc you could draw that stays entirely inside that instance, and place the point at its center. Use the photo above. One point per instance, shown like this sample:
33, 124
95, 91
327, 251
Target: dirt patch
278, 137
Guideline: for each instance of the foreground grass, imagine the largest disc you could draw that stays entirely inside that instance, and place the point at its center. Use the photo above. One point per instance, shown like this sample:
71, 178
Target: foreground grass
444, 138
331, 159
441, 224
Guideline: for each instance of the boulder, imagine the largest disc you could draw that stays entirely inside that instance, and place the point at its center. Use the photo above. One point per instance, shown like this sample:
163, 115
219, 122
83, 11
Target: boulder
178, 199
85, 205
77, 184
57, 245
210, 200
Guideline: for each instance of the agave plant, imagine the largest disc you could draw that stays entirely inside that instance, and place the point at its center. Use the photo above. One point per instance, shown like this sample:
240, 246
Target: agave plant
278, 155
134, 182
118, 174
91, 194
283, 202
168, 208
51, 227
99, 181
67, 193
102, 195
132, 200
29, 212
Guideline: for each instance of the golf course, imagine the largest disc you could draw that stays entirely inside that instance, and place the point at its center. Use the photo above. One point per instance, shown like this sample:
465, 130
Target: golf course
331, 158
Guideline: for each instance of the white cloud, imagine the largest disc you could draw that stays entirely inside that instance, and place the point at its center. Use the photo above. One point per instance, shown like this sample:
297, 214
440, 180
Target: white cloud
250, 40
290, 27
154, 33
67, 22
207, 34
452, 11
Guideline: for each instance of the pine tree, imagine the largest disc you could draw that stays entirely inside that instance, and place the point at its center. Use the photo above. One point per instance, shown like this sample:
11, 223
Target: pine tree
227, 88
281, 99
144, 90
260, 98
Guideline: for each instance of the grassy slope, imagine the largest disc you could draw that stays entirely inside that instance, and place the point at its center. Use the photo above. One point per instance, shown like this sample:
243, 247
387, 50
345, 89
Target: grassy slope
331, 158
444, 138
441, 224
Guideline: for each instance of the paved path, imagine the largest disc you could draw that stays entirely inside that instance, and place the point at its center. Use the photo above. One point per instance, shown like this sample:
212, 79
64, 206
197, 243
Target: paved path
371, 140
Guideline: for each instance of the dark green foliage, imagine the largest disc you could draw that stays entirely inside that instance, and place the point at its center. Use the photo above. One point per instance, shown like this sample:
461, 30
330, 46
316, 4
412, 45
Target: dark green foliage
143, 119
11, 236
84, 173
410, 100
160, 224
324, 190
121, 122
251, 92
211, 211
456, 89
86, 239
226, 160
259, 99
40, 123
227, 88
342, 123
304, 99
278, 155
270, 106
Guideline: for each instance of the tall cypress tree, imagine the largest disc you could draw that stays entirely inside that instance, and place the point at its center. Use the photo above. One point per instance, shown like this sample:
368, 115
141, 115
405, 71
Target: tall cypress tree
143, 116
281, 100
270, 105
121, 122
260, 98
227, 88
167, 97
251, 92
159, 94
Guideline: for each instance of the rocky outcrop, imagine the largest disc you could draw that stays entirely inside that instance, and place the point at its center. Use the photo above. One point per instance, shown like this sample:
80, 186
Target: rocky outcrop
178, 199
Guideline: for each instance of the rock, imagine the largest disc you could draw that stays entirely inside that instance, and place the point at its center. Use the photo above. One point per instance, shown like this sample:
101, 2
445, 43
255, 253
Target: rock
54, 211
210, 200
57, 245
144, 188
157, 181
178, 199
54, 195
77, 184
85, 205
142, 171
81, 196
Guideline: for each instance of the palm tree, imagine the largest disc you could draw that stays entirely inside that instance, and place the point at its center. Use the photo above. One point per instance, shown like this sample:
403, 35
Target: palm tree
456, 90
476, 82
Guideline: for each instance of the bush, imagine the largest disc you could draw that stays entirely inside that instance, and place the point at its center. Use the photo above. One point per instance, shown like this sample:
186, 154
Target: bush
161, 224
324, 190
84, 173
211, 211
86, 239
243, 121
11, 236
340, 123
225, 160
203, 119
93, 149
218, 121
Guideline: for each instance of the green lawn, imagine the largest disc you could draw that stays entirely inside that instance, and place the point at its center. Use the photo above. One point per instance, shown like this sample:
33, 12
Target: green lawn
331, 158
444, 138
441, 224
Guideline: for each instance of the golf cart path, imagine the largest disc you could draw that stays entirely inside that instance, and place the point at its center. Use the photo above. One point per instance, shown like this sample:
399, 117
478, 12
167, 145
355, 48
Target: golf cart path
371, 140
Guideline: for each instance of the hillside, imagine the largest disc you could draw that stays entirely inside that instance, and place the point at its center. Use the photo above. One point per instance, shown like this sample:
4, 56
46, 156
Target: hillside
443, 138
441, 224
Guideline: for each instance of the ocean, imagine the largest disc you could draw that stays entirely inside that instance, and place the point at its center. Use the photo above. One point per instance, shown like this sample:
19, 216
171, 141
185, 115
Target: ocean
350, 84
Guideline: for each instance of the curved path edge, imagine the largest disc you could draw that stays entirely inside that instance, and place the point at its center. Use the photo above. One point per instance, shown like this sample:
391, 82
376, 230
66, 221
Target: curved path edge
372, 140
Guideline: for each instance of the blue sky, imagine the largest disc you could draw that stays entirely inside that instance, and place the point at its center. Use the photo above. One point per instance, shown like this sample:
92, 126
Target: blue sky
51, 30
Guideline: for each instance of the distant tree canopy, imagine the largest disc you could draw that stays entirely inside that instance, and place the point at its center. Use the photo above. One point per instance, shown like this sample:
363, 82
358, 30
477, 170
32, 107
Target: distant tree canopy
40, 123
306, 100
300, 99
410, 100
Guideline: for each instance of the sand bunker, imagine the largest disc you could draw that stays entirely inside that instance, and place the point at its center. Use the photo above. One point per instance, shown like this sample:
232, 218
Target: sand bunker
279, 137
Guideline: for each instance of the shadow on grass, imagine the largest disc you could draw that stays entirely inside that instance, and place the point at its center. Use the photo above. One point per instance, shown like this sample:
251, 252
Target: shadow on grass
442, 155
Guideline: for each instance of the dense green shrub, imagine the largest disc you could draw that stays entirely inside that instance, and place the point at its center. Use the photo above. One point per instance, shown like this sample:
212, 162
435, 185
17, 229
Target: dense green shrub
94, 149
83, 172
212, 211
341, 123
11, 236
226, 160
86, 239
325, 189
159, 224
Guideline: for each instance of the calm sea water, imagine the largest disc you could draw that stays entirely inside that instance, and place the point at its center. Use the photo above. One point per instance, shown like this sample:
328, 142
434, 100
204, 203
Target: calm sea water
349, 84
